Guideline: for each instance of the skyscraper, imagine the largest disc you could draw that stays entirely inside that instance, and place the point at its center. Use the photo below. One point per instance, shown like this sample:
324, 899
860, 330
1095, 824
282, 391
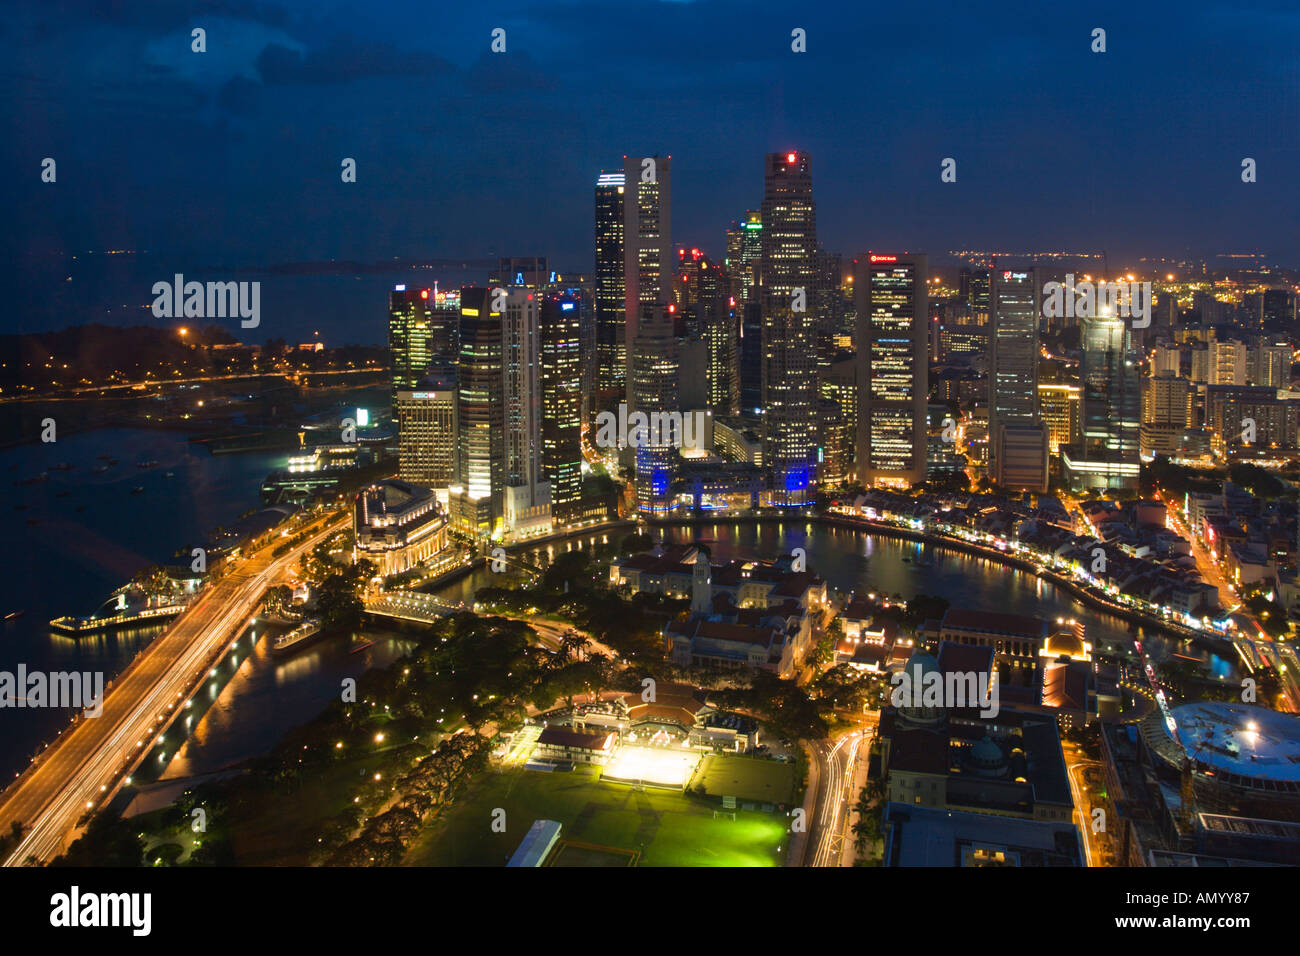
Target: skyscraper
423, 334
893, 374
428, 434
788, 294
475, 504
655, 393
611, 347
1107, 454
527, 494
647, 245
561, 404
1018, 444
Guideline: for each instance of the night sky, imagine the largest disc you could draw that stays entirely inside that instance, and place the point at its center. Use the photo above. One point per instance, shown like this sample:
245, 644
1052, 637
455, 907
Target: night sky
231, 158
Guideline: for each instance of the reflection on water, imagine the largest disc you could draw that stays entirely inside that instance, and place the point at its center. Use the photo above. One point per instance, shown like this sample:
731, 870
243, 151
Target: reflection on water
269, 696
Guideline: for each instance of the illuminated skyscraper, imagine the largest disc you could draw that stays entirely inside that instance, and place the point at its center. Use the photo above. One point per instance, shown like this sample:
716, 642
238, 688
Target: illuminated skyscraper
423, 334
476, 499
428, 434
893, 374
1018, 444
647, 245
1107, 455
788, 295
655, 392
561, 404
611, 347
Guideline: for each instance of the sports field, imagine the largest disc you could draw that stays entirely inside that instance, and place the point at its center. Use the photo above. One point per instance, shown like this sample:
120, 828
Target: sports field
747, 778
667, 828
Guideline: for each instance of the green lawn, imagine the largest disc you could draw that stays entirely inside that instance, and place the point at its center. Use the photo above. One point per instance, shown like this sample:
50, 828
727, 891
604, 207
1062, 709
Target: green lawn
667, 827
747, 778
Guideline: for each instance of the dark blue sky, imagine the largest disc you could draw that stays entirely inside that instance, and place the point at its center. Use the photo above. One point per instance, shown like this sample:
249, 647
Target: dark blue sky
232, 157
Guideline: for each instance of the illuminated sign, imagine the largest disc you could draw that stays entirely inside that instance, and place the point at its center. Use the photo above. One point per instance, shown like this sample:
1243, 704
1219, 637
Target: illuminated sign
566, 306
400, 288
472, 313
424, 293
363, 417
876, 258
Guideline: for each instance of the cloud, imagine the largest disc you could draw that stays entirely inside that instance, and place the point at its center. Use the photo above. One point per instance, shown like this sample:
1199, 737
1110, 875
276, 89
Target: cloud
345, 59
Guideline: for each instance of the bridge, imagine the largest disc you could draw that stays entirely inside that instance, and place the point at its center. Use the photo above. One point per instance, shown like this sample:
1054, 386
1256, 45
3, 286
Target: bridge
410, 606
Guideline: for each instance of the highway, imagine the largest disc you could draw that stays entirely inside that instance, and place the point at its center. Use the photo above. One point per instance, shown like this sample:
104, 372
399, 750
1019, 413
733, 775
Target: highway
835, 798
86, 765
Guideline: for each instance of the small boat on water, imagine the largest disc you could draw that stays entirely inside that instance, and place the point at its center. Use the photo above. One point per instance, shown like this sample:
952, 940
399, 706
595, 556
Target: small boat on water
99, 469
170, 474
151, 463
137, 490
14, 615
298, 638
63, 466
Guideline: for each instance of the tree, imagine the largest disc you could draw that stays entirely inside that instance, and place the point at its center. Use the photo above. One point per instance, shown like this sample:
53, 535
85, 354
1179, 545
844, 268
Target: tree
340, 608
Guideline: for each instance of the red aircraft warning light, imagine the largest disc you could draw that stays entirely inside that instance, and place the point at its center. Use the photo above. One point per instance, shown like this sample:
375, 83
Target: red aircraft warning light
789, 158
424, 293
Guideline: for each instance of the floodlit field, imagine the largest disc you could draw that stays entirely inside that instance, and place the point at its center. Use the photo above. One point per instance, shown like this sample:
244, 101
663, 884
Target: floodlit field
747, 778
667, 767
668, 828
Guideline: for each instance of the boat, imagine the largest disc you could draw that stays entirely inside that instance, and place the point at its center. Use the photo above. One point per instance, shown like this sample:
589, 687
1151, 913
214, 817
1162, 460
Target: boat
63, 466
137, 490
170, 474
297, 639
99, 469
14, 615
151, 463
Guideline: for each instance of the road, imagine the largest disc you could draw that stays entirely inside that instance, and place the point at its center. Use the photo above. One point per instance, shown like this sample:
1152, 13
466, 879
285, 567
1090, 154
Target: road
86, 765
837, 773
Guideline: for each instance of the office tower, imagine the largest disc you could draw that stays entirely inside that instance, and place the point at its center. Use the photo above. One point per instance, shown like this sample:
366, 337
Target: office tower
751, 359
723, 345
1166, 414
1269, 363
1107, 455
655, 382
829, 306
976, 295
475, 503
788, 279
893, 374
527, 494
1058, 405
561, 385
647, 246
428, 434
751, 255
1013, 380
423, 334
611, 349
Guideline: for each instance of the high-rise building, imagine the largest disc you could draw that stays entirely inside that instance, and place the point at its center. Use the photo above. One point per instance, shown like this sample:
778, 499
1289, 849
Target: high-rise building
893, 374
611, 347
1107, 454
423, 334
1166, 414
1013, 379
655, 383
428, 434
788, 279
751, 359
561, 405
1269, 363
647, 246
1058, 405
527, 494
475, 504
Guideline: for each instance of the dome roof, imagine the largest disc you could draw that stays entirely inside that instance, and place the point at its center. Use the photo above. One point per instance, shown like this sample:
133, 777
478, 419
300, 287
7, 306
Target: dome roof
986, 753
924, 661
